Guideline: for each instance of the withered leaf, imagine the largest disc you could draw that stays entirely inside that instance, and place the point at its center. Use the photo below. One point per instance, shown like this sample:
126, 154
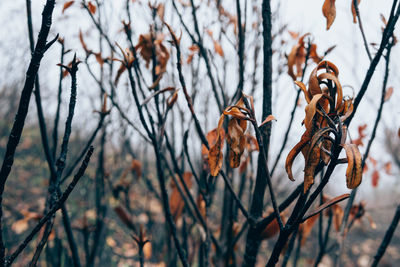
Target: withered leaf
354, 171
236, 140
176, 202
267, 119
67, 5
353, 10
389, 93
92, 8
215, 155
329, 11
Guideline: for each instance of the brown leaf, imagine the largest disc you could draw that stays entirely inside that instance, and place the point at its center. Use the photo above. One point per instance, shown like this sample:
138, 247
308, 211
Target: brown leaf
136, 166
272, 229
236, 141
92, 8
305, 138
175, 201
306, 228
267, 119
124, 216
67, 5
354, 171
327, 204
353, 10
388, 168
215, 155
389, 93
375, 178
218, 49
329, 11
121, 70
311, 109
312, 161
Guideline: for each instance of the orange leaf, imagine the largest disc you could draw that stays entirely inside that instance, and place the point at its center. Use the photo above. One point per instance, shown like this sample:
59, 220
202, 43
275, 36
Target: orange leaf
92, 8
175, 201
215, 153
236, 141
353, 10
329, 11
375, 178
389, 93
306, 228
267, 119
354, 171
272, 229
312, 161
218, 49
67, 5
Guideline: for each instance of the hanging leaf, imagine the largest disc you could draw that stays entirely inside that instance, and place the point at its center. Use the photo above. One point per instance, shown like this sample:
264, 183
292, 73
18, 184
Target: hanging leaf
329, 11
375, 178
92, 8
389, 93
353, 10
176, 202
67, 5
354, 171
267, 119
215, 155
236, 141
306, 228
272, 229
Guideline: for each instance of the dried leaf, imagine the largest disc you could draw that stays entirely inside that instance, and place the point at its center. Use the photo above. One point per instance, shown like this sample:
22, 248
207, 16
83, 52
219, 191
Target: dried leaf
306, 228
121, 70
92, 8
67, 5
267, 119
329, 11
305, 138
215, 154
176, 202
218, 49
136, 166
354, 171
327, 204
312, 161
375, 178
272, 229
353, 10
389, 93
236, 141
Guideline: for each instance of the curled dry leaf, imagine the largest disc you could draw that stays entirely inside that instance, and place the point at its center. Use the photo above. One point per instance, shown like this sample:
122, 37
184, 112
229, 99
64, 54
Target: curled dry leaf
329, 11
326, 105
354, 171
236, 140
297, 57
215, 155
267, 119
